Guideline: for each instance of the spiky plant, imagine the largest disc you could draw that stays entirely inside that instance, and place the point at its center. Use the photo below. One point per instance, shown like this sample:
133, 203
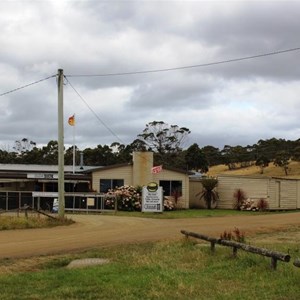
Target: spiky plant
208, 193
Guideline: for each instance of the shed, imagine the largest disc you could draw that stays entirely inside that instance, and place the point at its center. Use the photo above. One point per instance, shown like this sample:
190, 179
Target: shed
280, 193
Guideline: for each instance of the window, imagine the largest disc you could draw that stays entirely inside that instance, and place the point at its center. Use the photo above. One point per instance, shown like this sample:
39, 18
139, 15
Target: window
171, 186
109, 184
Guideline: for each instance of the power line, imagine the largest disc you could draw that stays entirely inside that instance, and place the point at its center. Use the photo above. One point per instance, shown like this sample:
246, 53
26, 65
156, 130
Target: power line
188, 67
160, 70
93, 112
27, 85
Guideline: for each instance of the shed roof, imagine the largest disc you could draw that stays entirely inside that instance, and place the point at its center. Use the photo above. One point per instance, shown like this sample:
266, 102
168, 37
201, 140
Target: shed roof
42, 168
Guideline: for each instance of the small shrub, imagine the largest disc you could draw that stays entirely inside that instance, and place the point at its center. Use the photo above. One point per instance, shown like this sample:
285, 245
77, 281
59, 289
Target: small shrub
168, 204
236, 235
249, 204
176, 194
239, 236
239, 198
208, 193
226, 235
262, 204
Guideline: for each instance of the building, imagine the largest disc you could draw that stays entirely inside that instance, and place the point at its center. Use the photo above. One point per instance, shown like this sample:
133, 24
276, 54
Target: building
36, 185
138, 173
280, 193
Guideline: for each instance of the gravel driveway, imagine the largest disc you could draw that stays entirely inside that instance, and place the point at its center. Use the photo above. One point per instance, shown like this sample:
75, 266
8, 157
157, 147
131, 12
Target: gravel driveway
91, 231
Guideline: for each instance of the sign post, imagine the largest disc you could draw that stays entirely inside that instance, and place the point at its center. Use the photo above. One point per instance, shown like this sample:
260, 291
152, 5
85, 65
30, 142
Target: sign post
152, 198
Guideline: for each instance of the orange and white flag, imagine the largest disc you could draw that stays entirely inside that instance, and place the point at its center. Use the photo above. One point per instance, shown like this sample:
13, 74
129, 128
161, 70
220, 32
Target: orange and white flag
156, 169
71, 120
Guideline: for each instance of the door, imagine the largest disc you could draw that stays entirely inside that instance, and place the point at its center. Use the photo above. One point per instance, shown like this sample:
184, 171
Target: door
277, 193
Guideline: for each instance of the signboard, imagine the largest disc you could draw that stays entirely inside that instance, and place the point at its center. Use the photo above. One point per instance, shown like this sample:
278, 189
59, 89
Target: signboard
152, 198
45, 194
42, 176
90, 202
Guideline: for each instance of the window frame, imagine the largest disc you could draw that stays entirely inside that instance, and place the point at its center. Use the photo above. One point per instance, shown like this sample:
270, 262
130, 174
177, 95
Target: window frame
173, 184
111, 183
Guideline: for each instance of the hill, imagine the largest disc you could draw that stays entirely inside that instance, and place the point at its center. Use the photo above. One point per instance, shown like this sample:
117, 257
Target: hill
271, 170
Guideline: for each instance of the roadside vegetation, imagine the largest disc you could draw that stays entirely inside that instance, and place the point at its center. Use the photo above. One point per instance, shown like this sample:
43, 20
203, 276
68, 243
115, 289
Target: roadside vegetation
33, 221
191, 213
164, 270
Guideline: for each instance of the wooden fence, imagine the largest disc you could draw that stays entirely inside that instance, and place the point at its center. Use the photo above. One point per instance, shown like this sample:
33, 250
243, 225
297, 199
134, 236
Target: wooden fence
275, 256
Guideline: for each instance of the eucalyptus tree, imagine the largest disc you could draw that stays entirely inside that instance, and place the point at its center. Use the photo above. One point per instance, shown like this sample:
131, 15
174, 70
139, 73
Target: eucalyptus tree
196, 159
166, 141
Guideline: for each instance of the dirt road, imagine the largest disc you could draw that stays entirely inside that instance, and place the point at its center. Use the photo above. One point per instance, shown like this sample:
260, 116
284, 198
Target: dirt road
91, 231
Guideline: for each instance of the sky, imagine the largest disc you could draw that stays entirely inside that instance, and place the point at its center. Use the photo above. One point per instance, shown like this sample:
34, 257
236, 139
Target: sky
237, 102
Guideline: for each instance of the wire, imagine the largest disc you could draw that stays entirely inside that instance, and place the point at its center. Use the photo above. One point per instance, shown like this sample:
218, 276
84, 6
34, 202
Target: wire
27, 85
188, 67
94, 113
159, 70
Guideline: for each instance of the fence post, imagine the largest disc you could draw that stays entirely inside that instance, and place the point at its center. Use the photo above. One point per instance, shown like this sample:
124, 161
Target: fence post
273, 263
234, 252
212, 246
26, 210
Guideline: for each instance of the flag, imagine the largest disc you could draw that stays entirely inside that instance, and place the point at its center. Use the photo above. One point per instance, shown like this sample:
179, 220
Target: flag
71, 120
156, 169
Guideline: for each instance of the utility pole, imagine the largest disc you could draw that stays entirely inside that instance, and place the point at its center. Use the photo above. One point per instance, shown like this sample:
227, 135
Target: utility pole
61, 174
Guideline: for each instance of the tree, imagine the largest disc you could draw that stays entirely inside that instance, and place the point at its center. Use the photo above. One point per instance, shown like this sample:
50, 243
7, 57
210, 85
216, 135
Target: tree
23, 145
50, 153
262, 162
69, 156
196, 159
99, 156
208, 193
282, 160
296, 153
163, 138
213, 155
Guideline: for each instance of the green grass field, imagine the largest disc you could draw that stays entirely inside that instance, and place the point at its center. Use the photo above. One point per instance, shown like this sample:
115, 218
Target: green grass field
164, 270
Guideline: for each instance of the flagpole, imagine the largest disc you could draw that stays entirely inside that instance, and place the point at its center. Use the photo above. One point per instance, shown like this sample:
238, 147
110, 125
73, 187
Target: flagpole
74, 146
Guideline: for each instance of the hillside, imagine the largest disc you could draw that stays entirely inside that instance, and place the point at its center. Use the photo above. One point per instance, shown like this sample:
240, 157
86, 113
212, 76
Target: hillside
271, 170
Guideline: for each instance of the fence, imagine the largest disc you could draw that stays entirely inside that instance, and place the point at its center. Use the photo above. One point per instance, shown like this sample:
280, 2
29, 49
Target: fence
14, 200
235, 246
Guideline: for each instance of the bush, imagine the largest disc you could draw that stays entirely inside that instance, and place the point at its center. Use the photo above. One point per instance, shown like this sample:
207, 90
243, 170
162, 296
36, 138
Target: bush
168, 204
128, 198
239, 197
208, 193
262, 204
236, 235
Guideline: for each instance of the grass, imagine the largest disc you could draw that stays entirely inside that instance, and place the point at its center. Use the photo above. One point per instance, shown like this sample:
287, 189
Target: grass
21, 222
190, 213
35, 221
164, 270
271, 170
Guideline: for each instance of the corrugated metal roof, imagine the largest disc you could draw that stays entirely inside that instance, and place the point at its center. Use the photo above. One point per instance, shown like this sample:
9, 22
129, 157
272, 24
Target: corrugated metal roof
43, 168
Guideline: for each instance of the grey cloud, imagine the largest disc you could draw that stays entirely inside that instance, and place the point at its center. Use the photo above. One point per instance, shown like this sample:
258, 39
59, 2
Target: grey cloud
96, 37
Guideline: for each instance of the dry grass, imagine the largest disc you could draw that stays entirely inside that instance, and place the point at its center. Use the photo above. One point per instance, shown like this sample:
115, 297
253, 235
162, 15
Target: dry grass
9, 222
271, 170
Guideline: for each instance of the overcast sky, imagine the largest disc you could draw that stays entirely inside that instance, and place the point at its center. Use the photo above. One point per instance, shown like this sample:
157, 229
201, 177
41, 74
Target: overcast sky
236, 103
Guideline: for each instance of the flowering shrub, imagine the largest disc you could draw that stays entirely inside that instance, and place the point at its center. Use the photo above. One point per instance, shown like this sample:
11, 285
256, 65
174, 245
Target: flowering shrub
255, 205
128, 198
168, 204
249, 204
